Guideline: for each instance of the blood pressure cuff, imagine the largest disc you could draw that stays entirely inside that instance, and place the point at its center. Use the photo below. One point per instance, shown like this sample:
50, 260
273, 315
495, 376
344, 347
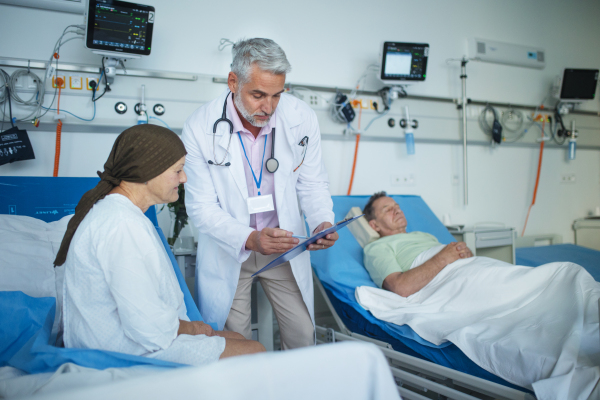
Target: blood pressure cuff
15, 146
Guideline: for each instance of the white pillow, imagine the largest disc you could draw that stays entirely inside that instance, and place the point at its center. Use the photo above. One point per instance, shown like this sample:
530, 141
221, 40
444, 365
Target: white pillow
361, 230
28, 247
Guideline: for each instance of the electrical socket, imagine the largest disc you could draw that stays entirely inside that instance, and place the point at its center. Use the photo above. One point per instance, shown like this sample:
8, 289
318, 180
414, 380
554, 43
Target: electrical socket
89, 80
313, 100
403, 180
568, 178
455, 180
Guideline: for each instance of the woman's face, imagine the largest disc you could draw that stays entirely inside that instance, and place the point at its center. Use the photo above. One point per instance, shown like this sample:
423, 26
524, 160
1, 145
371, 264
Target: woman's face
164, 188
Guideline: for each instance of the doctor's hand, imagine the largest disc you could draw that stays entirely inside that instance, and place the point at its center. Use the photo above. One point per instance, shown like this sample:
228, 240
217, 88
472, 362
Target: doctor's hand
325, 242
194, 328
271, 241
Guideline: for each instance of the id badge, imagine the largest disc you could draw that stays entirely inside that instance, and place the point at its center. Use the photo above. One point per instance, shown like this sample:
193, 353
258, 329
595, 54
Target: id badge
260, 204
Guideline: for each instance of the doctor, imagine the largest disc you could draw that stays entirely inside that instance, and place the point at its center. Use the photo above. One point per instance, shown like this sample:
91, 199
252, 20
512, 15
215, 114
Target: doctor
254, 166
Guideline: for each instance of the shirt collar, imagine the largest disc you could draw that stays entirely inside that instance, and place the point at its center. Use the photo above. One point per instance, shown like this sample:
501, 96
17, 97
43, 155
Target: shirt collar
237, 122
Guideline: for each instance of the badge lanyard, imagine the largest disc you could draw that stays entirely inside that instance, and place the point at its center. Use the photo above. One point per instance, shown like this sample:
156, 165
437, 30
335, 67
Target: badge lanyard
259, 181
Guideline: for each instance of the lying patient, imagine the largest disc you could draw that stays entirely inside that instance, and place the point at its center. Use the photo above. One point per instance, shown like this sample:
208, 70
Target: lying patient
120, 290
389, 258
534, 327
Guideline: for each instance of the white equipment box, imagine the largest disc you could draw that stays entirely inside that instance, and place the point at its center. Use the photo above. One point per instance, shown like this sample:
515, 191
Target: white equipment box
506, 53
493, 242
587, 232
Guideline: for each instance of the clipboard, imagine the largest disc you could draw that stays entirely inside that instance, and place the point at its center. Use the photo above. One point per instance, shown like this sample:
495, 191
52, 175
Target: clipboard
301, 247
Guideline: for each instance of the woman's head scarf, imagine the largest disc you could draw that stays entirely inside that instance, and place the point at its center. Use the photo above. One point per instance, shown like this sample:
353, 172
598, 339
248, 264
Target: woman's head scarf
139, 154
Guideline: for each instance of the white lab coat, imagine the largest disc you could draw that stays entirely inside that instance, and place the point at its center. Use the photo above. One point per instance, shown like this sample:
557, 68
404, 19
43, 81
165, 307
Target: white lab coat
216, 198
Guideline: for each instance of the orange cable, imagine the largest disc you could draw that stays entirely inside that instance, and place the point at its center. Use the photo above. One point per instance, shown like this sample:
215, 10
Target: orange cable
537, 179
354, 163
59, 83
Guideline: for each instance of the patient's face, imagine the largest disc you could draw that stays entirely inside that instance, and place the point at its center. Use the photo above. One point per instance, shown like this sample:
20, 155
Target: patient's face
165, 187
389, 218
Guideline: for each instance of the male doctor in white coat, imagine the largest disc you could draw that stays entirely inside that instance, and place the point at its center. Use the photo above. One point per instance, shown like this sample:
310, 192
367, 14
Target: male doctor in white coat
246, 205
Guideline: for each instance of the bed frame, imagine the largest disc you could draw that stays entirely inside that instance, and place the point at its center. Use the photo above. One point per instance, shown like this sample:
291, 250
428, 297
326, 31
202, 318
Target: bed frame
417, 379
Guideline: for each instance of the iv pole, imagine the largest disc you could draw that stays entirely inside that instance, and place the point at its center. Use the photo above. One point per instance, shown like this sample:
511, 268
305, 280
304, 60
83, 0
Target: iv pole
463, 78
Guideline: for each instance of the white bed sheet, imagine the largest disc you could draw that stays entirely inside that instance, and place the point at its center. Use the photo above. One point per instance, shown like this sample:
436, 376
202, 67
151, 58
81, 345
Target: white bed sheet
335, 371
534, 327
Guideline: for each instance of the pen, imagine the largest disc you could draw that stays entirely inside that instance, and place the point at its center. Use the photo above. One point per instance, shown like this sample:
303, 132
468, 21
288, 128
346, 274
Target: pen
299, 237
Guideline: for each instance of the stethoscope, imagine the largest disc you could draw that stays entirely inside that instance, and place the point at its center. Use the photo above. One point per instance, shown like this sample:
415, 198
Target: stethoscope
272, 164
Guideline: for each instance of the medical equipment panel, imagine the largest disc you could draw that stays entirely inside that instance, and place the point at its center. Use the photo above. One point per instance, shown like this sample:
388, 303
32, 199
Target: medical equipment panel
404, 62
119, 27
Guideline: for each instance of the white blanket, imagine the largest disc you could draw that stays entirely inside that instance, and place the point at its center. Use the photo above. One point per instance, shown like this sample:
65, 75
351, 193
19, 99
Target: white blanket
350, 371
534, 327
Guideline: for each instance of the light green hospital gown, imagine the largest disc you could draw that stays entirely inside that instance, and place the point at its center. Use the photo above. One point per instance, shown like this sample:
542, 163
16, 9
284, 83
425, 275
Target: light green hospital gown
395, 253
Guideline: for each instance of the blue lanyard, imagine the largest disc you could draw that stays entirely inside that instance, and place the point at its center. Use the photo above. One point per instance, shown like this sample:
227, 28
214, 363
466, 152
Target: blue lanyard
259, 181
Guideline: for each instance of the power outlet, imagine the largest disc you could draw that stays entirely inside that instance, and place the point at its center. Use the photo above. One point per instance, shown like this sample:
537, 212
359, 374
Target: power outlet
455, 180
403, 180
313, 100
568, 178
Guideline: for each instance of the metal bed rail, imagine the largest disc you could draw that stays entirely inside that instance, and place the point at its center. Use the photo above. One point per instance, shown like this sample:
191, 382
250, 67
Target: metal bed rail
426, 377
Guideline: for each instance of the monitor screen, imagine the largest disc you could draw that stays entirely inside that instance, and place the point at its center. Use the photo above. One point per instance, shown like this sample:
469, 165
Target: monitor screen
404, 61
579, 84
119, 26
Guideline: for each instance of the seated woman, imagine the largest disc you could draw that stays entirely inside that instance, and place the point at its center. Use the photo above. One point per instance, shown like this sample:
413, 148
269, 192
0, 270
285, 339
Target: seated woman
120, 291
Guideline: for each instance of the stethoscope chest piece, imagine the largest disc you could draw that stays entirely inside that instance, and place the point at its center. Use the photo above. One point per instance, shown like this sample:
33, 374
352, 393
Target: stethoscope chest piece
272, 164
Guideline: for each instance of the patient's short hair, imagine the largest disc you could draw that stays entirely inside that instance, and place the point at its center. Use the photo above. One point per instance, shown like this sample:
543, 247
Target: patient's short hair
369, 211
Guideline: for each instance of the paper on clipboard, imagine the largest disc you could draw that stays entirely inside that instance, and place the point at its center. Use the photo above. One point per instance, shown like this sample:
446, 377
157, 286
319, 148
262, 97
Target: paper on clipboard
301, 247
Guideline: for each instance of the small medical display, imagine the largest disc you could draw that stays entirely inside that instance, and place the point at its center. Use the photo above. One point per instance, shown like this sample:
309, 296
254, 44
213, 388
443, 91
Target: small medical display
404, 61
119, 26
579, 84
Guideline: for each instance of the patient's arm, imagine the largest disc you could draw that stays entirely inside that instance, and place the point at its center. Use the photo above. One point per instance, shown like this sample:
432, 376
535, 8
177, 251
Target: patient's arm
411, 281
194, 328
235, 344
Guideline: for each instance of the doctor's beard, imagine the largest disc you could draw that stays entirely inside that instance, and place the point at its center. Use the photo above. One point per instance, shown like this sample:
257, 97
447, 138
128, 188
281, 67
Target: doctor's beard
247, 116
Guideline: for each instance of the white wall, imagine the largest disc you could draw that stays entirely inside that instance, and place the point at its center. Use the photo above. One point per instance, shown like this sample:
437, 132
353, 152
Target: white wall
331, 43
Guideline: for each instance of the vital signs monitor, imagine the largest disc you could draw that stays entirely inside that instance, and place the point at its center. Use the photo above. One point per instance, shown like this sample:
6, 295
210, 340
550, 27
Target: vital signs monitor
403, 63
119, 29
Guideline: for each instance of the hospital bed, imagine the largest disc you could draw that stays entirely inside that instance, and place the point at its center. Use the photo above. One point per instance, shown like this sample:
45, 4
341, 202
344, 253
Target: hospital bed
31, 363
420, 367
534, 256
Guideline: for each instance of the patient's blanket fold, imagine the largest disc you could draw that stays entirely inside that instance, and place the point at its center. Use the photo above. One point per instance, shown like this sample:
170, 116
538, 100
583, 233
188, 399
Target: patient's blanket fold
534, 327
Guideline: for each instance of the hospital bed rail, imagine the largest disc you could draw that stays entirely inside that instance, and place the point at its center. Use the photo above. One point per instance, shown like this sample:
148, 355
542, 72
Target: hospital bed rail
417, 379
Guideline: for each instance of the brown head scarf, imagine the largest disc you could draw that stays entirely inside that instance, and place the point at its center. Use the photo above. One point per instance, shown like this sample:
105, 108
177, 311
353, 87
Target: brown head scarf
139, 154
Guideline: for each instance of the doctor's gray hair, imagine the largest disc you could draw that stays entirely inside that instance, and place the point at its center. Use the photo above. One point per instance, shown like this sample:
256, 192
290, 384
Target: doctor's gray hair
265, 53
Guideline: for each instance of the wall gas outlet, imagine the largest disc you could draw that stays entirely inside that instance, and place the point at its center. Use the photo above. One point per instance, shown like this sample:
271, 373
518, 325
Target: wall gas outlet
403, 180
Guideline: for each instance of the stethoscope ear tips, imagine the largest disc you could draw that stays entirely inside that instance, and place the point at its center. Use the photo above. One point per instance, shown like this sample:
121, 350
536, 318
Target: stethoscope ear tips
227, 164
210, 162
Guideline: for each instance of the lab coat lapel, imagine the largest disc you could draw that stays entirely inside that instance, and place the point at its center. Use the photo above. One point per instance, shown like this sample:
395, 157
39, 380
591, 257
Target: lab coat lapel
285, 136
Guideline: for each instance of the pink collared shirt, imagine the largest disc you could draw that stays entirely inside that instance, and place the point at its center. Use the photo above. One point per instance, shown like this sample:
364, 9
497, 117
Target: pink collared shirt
254, 150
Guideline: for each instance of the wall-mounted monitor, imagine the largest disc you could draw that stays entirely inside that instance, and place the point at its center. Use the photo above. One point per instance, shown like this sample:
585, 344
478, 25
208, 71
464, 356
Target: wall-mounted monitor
119, 28
403, 63
578, 85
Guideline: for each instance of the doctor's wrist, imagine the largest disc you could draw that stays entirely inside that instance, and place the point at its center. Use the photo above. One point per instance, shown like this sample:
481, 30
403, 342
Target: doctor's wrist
251, 241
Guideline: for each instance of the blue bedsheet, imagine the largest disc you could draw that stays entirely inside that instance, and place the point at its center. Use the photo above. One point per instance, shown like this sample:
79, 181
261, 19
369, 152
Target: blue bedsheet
341, 268
27, 321
536, 256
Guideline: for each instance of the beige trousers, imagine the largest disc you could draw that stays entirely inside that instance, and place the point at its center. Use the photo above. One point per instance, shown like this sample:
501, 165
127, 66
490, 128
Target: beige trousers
295, 326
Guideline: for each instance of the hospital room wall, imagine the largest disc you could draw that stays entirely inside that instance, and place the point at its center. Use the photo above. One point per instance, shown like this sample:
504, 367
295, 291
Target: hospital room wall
335, 52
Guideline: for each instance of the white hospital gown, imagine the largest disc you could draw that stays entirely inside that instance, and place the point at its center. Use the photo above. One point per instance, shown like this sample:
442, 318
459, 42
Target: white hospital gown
121, 293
